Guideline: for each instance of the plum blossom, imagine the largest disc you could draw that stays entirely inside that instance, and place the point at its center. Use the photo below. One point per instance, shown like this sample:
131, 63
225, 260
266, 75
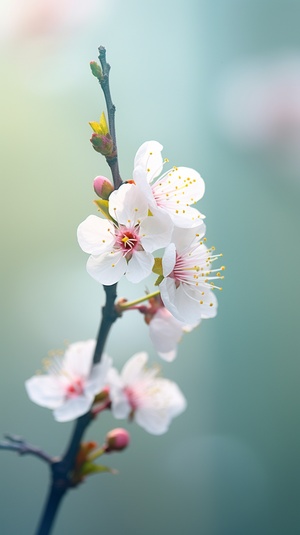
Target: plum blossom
138, 393
124, 244
71, 382
186, 289
174, 191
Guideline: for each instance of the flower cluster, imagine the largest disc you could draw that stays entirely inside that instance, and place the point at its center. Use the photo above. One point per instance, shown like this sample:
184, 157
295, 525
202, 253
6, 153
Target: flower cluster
155, 211
73, 385
149, 226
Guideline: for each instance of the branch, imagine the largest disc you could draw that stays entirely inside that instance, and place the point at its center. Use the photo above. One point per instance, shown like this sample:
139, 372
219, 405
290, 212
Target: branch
111, 109
19, 445
62, 469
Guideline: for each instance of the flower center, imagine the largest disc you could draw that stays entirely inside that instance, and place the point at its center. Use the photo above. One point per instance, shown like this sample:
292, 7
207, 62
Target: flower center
132, 397
127, 239
75, 388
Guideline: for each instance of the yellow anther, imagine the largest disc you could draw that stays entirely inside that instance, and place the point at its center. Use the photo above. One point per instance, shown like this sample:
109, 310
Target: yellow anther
222, 268
201, 302
125, 239
211, 304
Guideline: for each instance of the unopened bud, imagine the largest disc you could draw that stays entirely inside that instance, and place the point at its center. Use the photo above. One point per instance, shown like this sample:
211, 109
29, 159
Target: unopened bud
103, 144
96, 70
117, 440
103, 187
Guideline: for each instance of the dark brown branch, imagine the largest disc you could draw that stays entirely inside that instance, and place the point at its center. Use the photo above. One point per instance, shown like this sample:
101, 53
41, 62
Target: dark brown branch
111, 109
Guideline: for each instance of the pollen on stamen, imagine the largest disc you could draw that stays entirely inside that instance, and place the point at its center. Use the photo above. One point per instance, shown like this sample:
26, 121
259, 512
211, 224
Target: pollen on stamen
201, 302
113, 265
148, 170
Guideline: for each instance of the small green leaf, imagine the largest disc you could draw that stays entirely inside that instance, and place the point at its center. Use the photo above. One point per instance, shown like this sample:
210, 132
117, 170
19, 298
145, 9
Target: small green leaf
157, 267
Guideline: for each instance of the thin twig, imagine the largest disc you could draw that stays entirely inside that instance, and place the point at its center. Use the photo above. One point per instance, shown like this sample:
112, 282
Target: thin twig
19, 445
111, 109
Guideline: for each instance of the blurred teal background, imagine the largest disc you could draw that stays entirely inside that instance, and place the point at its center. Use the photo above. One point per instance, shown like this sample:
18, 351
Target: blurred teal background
230, 464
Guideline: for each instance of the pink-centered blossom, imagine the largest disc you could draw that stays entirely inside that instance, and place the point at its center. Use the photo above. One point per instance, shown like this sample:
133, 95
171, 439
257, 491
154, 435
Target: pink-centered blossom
189, 280
124, 244
139, 393
71, 381
174, 191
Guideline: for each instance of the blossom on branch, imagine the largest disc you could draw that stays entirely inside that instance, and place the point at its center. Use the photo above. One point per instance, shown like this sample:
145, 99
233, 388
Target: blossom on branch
174, 191
138, 393
187, 287
125, 243
71, 382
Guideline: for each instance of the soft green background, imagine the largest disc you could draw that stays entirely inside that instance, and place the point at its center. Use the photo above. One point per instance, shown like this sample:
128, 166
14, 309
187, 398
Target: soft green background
230, 464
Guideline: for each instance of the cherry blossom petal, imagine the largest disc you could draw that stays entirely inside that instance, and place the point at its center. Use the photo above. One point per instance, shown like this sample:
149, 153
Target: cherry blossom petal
169, 259
45, 390
166, 402
149, 159
107, 268
78, 358
73, 408
120, 405
165, 332
127, 205
139, 266
183, 238
186, 303
95, 235
98, 376
132, 370
156, 231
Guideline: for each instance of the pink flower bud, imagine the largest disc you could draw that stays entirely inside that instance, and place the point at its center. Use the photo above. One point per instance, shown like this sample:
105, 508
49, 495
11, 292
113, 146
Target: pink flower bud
102, 187
117, 439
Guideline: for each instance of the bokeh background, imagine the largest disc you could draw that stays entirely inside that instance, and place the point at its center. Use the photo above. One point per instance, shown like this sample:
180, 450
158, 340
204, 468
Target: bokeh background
218, 84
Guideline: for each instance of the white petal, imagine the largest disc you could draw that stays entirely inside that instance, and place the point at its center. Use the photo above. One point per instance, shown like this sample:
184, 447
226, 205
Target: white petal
149, 158
73, 408
78, 358
128, 205
184, 237
169, 259
98, 376
120, 405
107, 268
189, 217
133, 370
186, 183
95, 235
139, 266
187, 303
156, 231
166, 402
165, 332
45, 390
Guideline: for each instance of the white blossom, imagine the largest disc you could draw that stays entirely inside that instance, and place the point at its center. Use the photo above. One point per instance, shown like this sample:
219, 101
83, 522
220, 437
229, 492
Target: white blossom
124, 245
188, 284
174, 191
137, 392
71, 382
